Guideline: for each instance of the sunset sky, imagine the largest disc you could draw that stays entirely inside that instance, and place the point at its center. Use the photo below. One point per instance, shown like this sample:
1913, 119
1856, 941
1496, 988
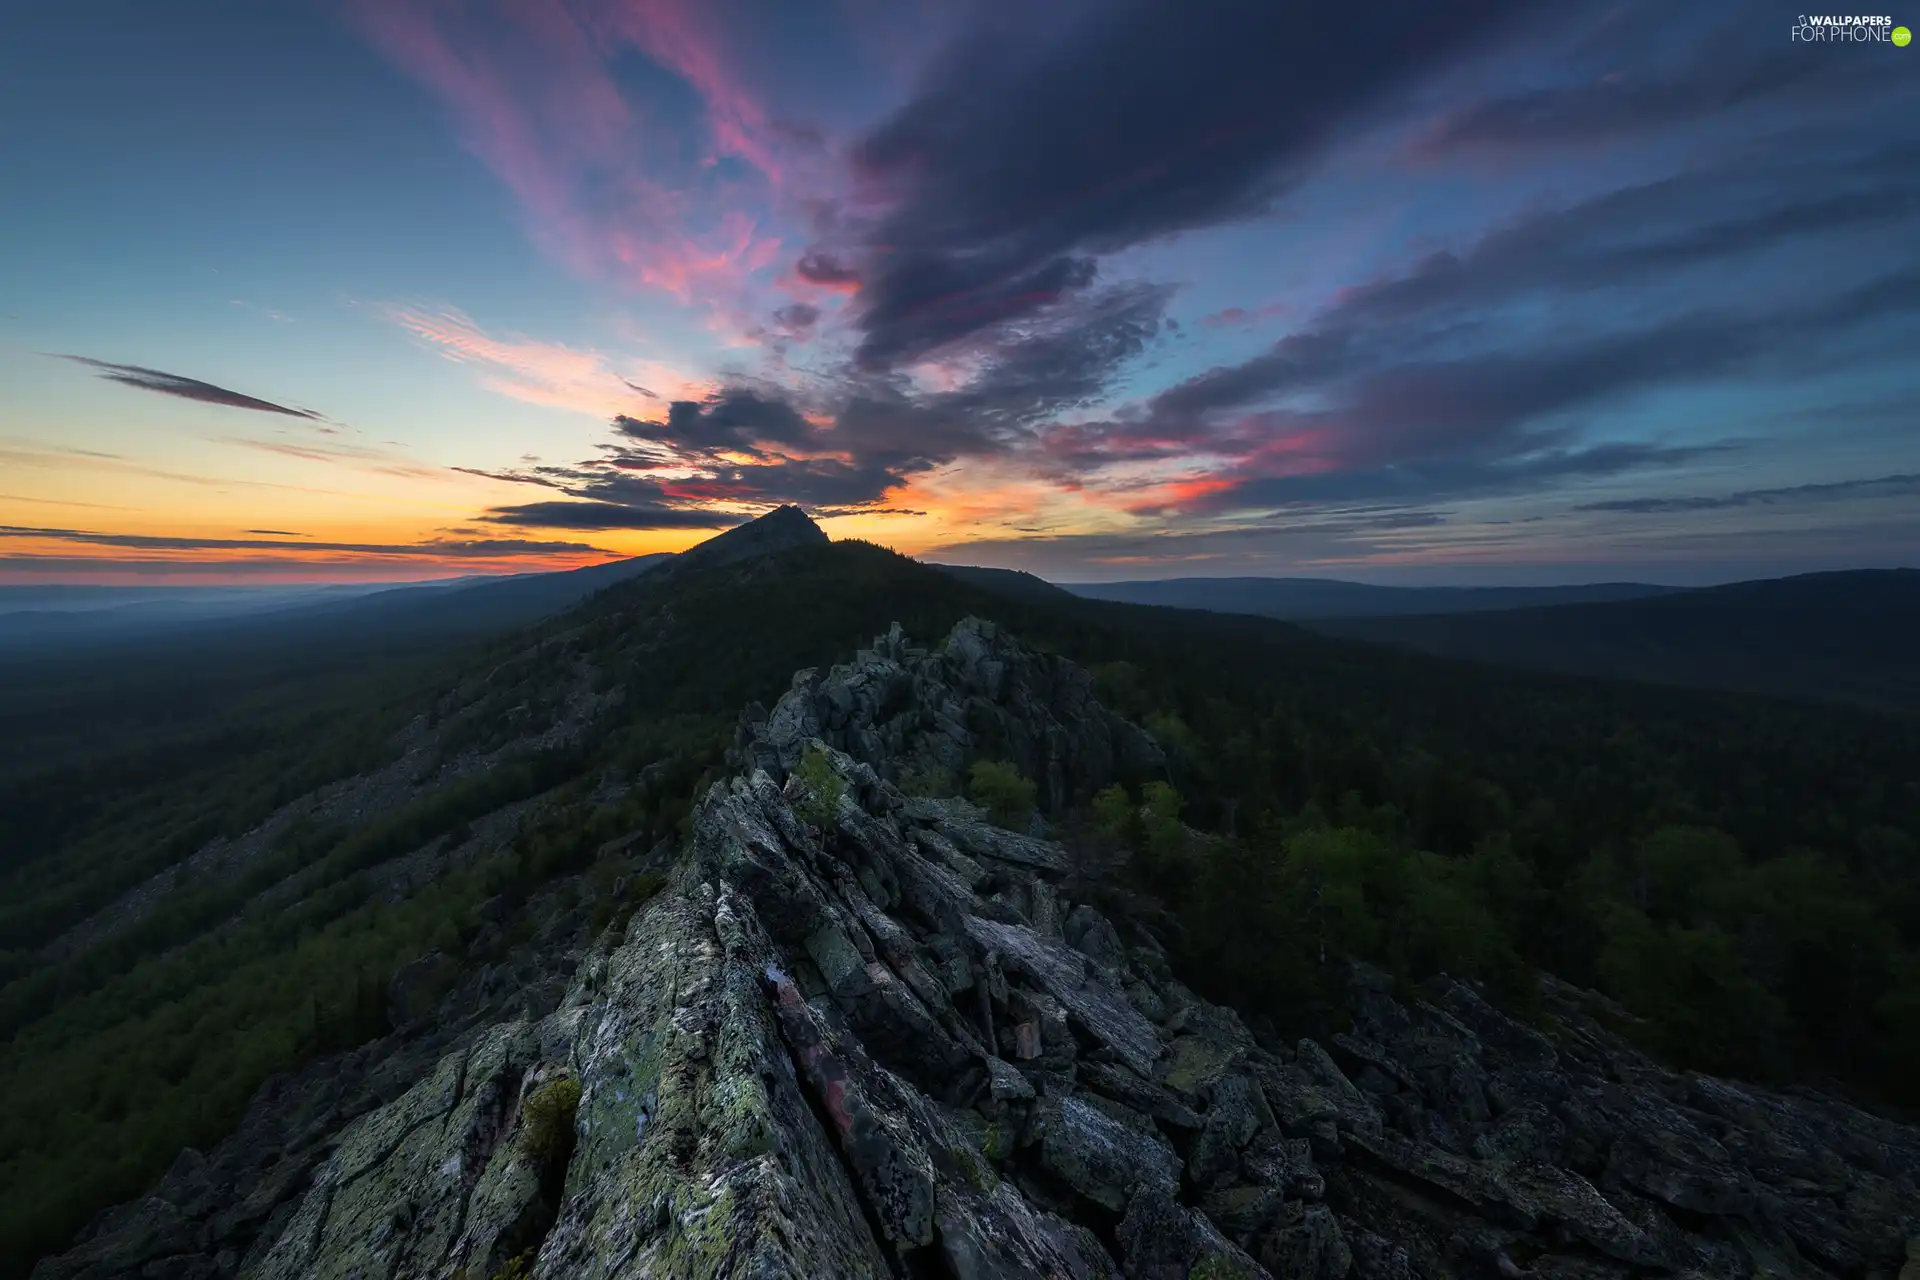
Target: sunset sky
1398, 292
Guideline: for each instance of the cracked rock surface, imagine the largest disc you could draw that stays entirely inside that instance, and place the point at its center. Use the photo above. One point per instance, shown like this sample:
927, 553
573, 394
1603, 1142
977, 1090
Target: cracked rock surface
883, 1042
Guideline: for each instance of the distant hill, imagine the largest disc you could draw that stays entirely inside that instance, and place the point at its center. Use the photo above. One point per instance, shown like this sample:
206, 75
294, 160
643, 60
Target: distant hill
1847, 636
38, 615
64, 597
158, 672
39, 620
473, 604
1299, 599
1006, 582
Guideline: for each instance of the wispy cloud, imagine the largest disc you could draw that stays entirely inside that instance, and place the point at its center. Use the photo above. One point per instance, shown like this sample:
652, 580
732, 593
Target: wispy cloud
268, 312
1244, 317
367, 458
57, 502
602, 516
551, 374
62, 458
839, 513
440, 548
1900, 486
533, 89
1006, 179
173, 384
1327, 538
1419, 385
1619, 90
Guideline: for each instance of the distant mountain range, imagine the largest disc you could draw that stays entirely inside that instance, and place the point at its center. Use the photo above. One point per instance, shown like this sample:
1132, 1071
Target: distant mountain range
1301, 599
39, 619
1849, 636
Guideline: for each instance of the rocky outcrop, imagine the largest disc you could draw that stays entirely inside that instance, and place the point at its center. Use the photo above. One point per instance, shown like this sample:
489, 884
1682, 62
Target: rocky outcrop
875, 1038
981, 694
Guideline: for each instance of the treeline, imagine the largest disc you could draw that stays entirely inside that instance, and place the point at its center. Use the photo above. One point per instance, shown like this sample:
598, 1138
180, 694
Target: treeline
1742, 876
1781, 970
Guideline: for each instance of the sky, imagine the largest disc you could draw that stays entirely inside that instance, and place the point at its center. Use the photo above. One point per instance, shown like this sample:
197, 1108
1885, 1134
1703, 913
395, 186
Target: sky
1406, 292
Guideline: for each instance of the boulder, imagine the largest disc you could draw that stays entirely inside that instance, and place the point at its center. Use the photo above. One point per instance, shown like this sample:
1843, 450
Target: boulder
1161, 1239
1102, 1158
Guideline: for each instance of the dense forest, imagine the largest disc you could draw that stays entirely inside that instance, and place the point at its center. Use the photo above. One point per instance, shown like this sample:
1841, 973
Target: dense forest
1738, 874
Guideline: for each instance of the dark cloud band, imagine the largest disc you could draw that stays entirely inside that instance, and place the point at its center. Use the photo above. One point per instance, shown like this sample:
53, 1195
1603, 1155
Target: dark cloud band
173, 384
470, 548
602, 516
1023, 159
1900, 486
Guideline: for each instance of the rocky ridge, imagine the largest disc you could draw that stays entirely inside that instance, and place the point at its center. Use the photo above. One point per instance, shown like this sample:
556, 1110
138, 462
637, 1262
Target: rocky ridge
864, 1033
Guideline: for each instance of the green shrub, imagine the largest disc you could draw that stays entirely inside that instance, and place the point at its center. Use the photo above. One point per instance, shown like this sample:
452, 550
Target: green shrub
999, 788
1172, 733
1160, 813
548, 1115
928, 780
1113, 812
519, 1267
1693, 988
821, 804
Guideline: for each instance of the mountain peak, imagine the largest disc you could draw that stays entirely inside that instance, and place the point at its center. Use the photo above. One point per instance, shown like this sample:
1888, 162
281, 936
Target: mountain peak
784, 528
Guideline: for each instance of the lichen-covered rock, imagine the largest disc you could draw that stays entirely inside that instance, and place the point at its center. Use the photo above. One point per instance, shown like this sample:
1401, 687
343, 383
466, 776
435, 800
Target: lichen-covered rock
1104, 1159
1123, 1085
698, 1152
394, 1197
1306, 1243
980, 694
1161, 1239
1063, 974
1287, 1163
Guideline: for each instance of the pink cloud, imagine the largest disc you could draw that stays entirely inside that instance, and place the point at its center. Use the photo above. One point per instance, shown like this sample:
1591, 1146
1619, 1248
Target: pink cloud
1242, 317
600, 176
1127, 461
551, 374
680, 36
